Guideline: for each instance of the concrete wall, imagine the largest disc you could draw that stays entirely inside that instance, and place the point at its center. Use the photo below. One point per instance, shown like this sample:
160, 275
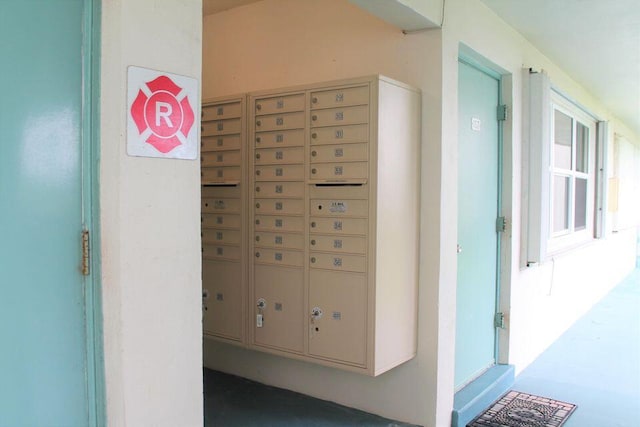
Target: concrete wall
150, 219
277, 43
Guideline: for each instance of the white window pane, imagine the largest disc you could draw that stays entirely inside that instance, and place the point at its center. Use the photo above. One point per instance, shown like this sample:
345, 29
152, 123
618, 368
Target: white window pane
582, 147
563, 133
560, 203
580, 215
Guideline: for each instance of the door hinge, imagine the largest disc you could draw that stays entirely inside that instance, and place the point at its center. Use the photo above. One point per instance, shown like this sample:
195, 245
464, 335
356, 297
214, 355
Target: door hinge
498, 321
501, 224
502, 113
85, 252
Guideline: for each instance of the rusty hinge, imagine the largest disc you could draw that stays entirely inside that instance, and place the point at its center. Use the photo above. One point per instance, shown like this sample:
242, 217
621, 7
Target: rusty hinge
498, 321
502, 113
85, 252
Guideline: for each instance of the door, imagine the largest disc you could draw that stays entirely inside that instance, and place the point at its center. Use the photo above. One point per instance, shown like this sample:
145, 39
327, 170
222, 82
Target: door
43, 362
478, 207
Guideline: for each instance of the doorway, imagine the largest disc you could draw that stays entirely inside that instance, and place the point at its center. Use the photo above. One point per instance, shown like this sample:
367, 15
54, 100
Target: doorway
479, 189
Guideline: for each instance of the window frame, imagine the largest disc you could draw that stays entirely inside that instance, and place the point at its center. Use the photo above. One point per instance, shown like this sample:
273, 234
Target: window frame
559, 241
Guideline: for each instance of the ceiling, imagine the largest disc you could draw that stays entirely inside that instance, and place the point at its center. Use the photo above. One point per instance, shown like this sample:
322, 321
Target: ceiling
596, 42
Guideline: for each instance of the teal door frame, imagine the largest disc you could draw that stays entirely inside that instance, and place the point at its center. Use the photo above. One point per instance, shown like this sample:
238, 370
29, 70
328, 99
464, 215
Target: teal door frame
91, 210
471, 59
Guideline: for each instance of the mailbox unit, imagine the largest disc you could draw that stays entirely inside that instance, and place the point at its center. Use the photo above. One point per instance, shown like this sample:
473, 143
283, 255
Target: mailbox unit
333, 202
223, 157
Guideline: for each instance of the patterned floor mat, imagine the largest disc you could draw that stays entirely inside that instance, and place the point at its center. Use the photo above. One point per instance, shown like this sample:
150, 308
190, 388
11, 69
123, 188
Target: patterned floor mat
516, 409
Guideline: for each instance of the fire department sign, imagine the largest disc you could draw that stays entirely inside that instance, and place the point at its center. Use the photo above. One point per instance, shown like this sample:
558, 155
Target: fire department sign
160, 114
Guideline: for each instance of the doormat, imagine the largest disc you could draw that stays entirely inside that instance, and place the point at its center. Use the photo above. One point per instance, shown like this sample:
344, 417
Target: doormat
516, 409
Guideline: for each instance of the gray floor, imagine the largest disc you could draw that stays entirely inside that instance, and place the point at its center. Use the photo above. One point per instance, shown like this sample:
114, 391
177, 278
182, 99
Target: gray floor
596, 363
233, 401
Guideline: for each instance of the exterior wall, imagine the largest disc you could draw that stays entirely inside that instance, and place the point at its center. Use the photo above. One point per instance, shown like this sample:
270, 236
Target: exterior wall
277, 43
544, 300
150, 220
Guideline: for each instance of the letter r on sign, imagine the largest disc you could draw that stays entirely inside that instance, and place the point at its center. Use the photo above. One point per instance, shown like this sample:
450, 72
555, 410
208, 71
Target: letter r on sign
164, 110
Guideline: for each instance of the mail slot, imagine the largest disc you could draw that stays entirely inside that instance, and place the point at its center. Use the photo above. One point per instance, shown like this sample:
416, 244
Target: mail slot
279, 240
279, 156
340, 97
221, 142
341, 244
220, 221
340, 116
220, 205
279, 173
221, 111
279, 257
339, 262
221, 127
280, 104
280, 121
279, 223
339, 172
221, 158
340, 153
355, 226
279, 206
284, 138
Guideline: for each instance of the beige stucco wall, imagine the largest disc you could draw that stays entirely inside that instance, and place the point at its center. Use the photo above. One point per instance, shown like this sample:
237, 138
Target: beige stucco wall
150, 219
277, 43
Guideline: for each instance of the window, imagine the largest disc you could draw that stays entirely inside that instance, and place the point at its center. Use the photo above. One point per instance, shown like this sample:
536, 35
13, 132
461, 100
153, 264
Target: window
563, 176
572, 136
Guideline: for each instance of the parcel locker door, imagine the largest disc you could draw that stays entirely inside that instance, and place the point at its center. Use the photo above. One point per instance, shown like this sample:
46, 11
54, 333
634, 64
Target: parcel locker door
278, 307
222, 299
337, 309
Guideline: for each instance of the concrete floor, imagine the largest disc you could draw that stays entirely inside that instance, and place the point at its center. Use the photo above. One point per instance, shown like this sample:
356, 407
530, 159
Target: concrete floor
231, 401
596, 363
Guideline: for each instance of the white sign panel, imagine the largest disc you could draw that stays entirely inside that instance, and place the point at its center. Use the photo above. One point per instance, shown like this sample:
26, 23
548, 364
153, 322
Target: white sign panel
161, 114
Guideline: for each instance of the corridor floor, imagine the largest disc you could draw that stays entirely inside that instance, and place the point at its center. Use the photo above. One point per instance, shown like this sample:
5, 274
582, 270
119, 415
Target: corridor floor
596, 363
231, 401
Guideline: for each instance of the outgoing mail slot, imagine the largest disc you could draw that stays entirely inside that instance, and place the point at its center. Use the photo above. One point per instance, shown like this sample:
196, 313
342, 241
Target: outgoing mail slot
220, 175
285, 138
221, 127
279, 223
212, 251
221, 236
339, 207
279, 240
340, 134
340, 97
280, 104
338, 262
278, 257
279, 156
221, 158
338, 226
340, 153
220, 221
221, 111
220, 205
280, 121
227, 192
279, 206
279, 189
279, 173
340, 244
339, 172
340, 116
218, 143
339, 191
